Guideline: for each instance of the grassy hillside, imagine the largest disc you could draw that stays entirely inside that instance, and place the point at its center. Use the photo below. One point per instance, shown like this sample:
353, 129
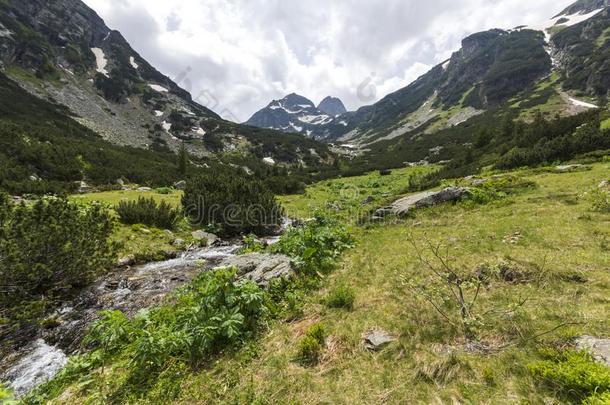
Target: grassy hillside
548, 246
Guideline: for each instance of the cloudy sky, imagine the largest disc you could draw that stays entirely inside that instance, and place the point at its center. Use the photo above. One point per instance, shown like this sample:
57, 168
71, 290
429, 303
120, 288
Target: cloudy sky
237, 55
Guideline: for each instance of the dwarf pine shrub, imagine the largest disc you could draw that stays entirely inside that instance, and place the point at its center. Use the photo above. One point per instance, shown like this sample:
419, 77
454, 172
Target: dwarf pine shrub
231, 202
146, 211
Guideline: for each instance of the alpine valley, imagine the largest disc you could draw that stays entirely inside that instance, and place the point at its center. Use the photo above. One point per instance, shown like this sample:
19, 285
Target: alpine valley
448, 244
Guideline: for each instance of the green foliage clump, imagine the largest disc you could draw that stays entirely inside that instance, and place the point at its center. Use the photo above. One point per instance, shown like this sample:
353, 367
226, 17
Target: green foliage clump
146, 211
574, 375
6, 396
251, 244
598, 399
213, 312
600, 200
316, 245
49, 250
341, 297
497, 188
311, 346
231, 202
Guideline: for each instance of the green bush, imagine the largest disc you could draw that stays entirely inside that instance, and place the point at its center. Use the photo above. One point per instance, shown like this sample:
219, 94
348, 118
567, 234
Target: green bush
146, 211
315, 245
497, 188
6, 396
251, 244
341, 297
574, 375
311, 346
49, 250
600, 200
232, 202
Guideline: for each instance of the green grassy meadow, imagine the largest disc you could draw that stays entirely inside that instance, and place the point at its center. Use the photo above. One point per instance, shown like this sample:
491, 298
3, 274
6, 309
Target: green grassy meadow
557, 247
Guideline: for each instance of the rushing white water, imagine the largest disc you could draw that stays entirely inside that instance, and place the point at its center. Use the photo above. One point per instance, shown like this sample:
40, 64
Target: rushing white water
190, 259
40, 365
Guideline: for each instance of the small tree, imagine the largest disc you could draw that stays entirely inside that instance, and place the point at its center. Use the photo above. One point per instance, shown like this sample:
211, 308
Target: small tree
447, 284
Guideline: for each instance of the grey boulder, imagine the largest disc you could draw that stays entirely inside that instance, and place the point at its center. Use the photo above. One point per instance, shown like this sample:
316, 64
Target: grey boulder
404, 205
260, 268
377, 339
202, 235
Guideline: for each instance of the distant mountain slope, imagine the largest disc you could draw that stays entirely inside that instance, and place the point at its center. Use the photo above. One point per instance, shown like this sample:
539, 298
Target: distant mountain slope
548, 66
62, 50
297, 114
490, 68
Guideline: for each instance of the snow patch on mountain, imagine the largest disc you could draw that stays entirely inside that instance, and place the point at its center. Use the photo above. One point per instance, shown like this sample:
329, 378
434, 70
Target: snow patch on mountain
100, 60
562, 21
133, 63
158, 88
580, 103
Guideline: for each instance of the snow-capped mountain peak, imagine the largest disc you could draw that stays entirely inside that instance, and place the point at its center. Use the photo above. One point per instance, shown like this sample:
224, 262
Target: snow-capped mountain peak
295, 113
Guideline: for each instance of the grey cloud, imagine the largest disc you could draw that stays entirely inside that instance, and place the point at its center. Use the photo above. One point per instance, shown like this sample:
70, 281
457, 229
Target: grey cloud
301, 39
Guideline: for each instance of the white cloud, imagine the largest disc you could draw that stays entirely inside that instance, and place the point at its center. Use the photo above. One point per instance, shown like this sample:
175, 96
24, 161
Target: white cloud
244, 53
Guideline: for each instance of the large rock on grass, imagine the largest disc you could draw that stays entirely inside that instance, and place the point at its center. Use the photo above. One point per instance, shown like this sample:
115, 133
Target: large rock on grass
260, 268
403, 206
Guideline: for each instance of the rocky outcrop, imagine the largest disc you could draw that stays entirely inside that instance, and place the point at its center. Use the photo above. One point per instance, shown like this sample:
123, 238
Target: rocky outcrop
261, 268
403, 206
332, 106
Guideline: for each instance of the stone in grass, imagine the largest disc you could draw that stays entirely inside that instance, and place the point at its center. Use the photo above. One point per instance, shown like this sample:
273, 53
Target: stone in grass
376, 339
568, 168
598, 347
403, 206
368, 200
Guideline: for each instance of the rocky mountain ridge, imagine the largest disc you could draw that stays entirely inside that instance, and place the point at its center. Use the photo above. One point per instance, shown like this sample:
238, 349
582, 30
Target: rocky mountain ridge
297, 114
63, 51
493, 69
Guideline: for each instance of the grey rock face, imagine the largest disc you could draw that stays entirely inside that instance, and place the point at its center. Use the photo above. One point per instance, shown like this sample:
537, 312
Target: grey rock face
404, 205
261, 268
332, 106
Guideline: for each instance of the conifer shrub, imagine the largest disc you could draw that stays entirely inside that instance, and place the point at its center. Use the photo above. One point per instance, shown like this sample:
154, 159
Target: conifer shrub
49, 250
146, 211
311, 346
232, 203
342, 297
